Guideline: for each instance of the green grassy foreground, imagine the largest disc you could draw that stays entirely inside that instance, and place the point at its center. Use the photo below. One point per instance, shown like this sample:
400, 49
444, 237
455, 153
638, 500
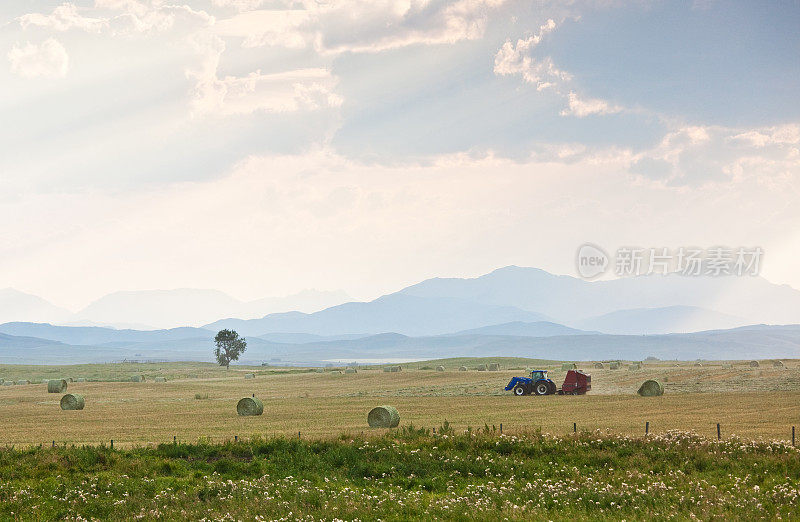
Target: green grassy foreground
408, 474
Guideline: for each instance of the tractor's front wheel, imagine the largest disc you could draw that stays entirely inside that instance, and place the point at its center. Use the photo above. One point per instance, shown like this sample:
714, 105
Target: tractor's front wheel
541, 388
519, 390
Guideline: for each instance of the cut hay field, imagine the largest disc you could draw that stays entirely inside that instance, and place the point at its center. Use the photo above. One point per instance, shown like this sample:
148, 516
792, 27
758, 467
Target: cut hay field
754, 403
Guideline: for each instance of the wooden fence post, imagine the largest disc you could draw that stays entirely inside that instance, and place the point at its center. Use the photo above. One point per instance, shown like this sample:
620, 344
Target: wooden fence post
719, 434
647, 428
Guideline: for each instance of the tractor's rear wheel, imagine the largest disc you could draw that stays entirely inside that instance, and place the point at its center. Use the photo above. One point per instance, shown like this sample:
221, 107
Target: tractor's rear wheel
541, 388
520, 390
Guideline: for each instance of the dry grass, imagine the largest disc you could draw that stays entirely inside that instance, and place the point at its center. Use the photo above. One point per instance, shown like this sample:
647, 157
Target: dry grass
753, 403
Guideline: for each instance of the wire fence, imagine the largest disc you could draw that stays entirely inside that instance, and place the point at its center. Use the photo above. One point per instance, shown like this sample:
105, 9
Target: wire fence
715, 432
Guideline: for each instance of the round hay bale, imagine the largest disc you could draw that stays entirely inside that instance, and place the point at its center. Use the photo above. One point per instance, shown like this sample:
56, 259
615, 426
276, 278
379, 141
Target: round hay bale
569, 366
160, 379
80, 379
336, 372
481, 367
440, 368
70, 380
72, 401
462, 368
613, 366
599, 365
777, 364
23, 381
350, 370
137, 378
249, 375
754, 364
319, 370
383, 417
56, 386
651, 388
8, 383
250, 406
635, 366
494, 367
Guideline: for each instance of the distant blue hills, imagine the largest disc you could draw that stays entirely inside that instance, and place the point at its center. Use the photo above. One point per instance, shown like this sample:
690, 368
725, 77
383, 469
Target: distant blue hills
95, 335
757, 341
511, 311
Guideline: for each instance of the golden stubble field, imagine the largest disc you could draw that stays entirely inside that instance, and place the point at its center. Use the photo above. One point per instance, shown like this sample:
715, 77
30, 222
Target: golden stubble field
751, 403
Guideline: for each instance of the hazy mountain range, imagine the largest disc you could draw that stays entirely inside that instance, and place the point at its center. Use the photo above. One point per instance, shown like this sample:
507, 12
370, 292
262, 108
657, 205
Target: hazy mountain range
759, 341
568, 299
637, 305
511, 311
19, 306
407, 314
669, 319
645, 304
152, 309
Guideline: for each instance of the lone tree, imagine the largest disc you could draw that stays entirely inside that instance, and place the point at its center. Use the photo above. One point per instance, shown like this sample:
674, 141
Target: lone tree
229, 347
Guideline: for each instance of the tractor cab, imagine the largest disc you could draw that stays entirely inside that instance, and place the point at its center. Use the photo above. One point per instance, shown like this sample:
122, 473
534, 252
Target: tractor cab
538, 375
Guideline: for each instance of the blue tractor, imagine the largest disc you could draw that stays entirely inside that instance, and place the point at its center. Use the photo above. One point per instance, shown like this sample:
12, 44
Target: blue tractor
538, 383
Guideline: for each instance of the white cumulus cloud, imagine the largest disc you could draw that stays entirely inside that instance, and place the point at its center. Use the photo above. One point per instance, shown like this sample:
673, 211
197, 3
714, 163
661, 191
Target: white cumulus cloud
290, 91
287, 28
697, 155
120, 17
358, 25
516, 59
582, 107
305, 89
63, 18
48, 59
779, 135
241, 5
138, 17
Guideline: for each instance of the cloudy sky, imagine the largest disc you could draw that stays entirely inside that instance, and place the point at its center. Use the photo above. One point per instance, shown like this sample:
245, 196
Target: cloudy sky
261, 147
